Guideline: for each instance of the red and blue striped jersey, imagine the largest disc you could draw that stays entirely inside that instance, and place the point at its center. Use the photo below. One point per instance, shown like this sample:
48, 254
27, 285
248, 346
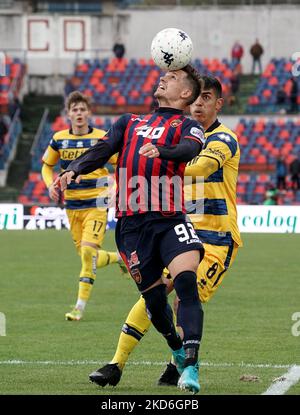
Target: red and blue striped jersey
150, 184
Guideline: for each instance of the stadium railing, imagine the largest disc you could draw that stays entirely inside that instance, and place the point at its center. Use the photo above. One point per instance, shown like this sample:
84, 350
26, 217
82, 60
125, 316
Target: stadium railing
10, 146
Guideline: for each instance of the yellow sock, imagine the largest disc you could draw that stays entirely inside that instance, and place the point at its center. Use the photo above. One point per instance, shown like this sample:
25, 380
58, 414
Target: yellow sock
87, 274
106, 258
136, 325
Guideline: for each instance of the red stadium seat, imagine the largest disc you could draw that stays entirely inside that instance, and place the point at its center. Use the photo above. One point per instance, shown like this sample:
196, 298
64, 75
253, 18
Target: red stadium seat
243, 140
273, 81
262, 139
263, 178
284, 134
34, 177
261, 159
255, 151
243, 178
267, 93
259, 189
240, 189
254, 100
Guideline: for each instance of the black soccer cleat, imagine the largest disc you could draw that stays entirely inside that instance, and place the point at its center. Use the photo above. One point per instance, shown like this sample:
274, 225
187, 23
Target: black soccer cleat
169, 377
108, 374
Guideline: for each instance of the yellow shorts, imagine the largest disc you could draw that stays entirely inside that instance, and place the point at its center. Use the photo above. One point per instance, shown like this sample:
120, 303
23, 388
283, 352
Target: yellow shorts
212, 269
87, 225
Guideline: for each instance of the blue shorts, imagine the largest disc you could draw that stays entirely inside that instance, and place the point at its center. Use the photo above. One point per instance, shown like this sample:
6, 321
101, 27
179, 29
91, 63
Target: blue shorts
149, 242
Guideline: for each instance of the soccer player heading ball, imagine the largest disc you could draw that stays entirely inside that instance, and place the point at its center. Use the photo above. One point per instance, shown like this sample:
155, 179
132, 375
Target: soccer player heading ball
152, 230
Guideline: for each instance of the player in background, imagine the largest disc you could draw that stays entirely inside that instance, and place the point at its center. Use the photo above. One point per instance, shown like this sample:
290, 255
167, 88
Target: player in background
87, 220
152, 230
217, 227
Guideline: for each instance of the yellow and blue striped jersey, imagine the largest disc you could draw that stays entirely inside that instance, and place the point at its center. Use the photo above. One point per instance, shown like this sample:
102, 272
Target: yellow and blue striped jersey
66, 147
217, 164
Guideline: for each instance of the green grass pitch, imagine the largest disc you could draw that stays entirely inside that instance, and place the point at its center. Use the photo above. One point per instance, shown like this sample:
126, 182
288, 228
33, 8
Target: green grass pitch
247, 331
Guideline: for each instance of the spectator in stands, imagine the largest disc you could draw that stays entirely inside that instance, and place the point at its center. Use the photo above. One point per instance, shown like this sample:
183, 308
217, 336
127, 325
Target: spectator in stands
235, 86
3, 131
119, 49
294, 96
237, 53
13, 106
271, 197
295, 173
281, 172
281, 100
256, 51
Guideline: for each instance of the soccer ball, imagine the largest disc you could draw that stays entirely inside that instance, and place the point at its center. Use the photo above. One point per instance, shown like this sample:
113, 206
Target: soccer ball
171, 49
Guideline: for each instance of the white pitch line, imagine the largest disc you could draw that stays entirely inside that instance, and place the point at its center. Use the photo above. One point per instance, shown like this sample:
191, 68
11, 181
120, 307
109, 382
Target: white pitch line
141, 363
288, 380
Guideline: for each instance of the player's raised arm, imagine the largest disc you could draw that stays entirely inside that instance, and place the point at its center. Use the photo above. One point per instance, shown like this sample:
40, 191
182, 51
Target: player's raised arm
96, 156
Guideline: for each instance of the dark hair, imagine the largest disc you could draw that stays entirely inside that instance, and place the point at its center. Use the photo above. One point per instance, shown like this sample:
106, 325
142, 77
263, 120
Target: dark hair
211, 82
194, 80
76, 97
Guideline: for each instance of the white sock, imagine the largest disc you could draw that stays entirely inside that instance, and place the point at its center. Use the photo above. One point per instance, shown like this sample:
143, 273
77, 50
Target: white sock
80, 305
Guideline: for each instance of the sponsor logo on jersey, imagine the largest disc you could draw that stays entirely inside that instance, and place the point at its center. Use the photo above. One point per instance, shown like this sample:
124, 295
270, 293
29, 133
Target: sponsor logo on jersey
71, 154
197, 133
214, 152
175, 123
94, 142
137, 119
79, 144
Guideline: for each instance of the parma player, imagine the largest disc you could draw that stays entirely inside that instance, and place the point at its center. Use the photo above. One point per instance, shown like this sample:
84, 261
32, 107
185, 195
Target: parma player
217, 226
87, 220
152, 230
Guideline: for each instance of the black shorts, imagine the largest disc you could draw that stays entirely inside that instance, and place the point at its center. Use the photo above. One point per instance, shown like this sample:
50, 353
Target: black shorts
150, 241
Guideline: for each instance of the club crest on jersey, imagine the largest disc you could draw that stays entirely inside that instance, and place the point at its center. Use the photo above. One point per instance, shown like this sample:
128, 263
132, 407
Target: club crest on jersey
133, 260
136, 275
65, 143
175, 123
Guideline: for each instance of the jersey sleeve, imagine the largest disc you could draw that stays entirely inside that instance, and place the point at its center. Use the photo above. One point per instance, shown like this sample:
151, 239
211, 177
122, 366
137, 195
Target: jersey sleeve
51, 155
114, 136
193, 131
220, 147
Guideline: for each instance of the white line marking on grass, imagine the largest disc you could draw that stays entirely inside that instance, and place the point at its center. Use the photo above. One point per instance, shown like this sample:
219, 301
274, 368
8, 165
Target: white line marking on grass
140, 363
281, 386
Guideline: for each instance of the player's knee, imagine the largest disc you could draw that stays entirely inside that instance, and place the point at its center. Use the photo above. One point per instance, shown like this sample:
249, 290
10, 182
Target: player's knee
88, 259
156, 299
185, 285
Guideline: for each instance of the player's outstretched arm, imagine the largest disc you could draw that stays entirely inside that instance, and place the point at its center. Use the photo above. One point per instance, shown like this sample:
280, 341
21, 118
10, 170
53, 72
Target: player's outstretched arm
47, 175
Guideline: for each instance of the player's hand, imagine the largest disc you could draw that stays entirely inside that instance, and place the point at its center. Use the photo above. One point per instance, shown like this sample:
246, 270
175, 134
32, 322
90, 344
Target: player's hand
65, 179
149, 150
54, 192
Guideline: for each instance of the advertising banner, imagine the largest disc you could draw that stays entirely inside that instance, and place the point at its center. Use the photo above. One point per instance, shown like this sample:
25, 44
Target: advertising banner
269, 219
11, 216
251, 218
